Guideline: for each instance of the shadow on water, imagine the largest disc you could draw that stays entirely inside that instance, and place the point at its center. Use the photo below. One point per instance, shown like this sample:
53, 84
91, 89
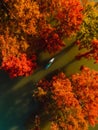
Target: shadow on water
6, 82
15, 104
63, 68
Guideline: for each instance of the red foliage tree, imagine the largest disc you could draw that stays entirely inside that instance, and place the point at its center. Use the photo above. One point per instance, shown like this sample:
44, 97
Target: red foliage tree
19, 66
92, 53
58, 22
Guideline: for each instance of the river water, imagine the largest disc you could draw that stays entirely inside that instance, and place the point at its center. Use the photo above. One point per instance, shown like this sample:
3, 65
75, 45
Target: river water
16, 103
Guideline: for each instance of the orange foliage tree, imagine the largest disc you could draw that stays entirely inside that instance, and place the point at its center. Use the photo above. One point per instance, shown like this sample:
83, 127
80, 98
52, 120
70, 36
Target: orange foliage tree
85, 87
30, 26
18, 21
71, 102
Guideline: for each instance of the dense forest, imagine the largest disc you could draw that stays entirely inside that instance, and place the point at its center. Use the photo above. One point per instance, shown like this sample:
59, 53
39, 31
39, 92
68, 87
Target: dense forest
29, 27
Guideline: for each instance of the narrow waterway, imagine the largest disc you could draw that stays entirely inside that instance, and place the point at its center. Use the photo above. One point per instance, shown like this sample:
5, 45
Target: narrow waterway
16, 103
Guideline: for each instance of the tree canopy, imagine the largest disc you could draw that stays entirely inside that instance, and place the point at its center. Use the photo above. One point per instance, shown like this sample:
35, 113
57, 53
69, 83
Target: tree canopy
29, 27
72, 102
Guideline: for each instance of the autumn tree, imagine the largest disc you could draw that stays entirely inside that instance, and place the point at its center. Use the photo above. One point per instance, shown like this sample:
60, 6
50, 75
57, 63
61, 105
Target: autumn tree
85, 87
72, 102
59, 22
18, 20
84, 2
30, 26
